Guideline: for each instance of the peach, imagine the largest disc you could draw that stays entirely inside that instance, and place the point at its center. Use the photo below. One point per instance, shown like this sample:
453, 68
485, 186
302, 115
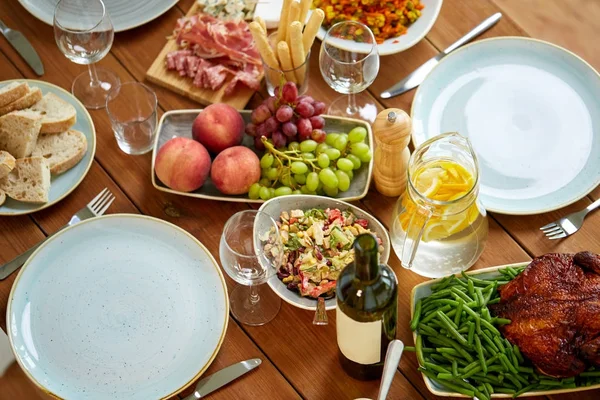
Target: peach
235, 169
218, 127
182, 164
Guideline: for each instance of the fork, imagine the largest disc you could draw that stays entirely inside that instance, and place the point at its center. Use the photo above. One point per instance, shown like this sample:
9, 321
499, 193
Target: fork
94, 208
568, 225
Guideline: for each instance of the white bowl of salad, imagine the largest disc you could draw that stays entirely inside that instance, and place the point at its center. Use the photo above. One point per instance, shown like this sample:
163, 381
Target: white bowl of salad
318, 233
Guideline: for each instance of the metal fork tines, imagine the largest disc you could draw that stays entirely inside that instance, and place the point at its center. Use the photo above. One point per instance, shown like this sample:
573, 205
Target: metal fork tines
568, 225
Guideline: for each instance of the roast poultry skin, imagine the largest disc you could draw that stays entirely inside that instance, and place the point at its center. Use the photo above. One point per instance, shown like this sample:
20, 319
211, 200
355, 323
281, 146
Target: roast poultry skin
554, 308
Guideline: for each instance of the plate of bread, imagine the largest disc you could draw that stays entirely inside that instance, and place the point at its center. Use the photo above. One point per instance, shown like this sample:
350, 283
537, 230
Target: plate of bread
47, 145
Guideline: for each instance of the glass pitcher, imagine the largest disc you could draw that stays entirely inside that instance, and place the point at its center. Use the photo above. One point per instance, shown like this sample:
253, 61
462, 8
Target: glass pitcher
438, 227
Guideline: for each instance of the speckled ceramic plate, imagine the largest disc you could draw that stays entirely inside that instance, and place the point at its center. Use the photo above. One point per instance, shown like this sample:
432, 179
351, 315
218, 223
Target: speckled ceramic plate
118, 307
532, 112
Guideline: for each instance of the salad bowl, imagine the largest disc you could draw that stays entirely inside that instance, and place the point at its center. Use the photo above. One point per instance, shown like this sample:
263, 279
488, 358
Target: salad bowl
277, 205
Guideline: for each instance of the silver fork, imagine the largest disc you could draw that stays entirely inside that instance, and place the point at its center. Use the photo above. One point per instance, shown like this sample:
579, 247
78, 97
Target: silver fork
568, 225
94, 208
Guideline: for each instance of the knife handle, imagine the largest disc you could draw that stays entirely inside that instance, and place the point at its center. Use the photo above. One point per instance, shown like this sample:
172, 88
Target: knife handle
478, 30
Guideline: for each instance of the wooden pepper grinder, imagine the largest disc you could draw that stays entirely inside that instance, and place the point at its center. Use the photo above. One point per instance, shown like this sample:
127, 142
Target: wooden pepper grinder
392, 129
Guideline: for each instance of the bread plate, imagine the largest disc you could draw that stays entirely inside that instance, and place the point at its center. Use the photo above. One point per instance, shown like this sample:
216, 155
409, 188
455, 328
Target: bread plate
424, 289
65, 183
178, 123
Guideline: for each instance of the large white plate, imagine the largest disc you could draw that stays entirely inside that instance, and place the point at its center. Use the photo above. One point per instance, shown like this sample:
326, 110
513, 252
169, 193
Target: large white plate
121, 307
124, 14
66, 182
532, 112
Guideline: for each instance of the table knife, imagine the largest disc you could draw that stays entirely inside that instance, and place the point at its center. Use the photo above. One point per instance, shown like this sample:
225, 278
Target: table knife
416, 77
23, 47
223, 377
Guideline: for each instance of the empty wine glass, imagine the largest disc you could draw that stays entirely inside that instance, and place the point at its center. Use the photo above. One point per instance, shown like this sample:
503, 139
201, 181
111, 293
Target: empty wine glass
84, 34
349, 63
251, 252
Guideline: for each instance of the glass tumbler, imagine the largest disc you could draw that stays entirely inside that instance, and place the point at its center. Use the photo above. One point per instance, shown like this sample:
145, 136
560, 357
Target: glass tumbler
131, 108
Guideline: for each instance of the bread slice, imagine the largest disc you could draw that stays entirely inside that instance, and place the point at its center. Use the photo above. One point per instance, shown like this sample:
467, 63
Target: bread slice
62, 151
29, 181
2, 197
7, 163
19, 131
58, 115
12, 92
31, 97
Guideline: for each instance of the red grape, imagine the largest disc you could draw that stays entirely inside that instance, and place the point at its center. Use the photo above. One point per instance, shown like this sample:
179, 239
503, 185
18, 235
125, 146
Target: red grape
260, 114
271, 125
270, 103
284, 113
277, 92
319, 107
317, 122
304, 128
258, 144
289, 92
305, 109
289, 129
261, 130
251, 129
318, 135
279, 139
306, 98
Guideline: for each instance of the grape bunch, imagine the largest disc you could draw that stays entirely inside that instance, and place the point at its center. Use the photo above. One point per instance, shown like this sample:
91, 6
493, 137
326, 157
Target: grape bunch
311, 167
286, 118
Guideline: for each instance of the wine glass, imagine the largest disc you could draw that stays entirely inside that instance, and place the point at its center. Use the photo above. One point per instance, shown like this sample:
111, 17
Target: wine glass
84, 34
349, 63
251, 252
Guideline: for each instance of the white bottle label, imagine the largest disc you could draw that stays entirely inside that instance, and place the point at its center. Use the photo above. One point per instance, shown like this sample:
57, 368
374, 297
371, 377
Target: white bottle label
358, 341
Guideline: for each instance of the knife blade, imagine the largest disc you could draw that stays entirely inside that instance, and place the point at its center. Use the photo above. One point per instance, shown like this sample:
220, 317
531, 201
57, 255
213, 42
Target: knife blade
23, 47
416, 77
223, 377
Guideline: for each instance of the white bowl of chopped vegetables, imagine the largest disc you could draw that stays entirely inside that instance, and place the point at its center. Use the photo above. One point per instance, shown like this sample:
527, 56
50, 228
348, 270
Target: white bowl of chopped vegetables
318, 233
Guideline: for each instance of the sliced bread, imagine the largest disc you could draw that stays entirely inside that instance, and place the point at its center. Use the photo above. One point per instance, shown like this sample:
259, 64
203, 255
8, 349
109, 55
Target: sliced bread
31, 97
19, 131
63, 150
58, 115
7, 163
12, 92
2, 197
29, 181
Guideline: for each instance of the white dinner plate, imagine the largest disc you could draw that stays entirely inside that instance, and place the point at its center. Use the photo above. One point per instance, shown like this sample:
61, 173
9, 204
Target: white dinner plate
118, 307
124, 14
532, 112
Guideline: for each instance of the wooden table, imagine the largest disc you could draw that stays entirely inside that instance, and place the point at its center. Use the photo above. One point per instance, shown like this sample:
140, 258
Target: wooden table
299, 359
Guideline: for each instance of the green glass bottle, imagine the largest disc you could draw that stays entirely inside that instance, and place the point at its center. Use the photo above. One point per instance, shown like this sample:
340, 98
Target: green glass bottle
367, 311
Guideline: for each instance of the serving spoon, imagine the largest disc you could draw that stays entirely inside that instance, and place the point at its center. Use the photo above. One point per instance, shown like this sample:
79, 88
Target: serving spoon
392, 359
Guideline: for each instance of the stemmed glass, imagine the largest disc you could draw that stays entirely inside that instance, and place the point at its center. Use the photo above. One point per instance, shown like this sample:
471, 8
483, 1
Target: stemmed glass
251, 252
349, 63
84, 34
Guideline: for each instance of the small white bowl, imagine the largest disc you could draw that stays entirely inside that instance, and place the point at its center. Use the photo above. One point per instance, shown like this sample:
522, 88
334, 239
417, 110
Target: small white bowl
275, 206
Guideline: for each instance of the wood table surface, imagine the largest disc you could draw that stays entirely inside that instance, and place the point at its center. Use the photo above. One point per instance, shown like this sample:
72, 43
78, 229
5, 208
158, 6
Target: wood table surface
299, 359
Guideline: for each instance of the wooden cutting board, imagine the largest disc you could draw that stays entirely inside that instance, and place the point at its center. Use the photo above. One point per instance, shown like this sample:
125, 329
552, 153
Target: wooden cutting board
183, 85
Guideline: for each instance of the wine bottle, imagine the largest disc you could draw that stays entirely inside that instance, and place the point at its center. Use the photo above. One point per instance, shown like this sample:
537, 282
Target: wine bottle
367, 311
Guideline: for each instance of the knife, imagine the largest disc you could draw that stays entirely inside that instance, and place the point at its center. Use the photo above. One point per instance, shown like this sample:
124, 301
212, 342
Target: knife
416, 77
223, 377
23, 47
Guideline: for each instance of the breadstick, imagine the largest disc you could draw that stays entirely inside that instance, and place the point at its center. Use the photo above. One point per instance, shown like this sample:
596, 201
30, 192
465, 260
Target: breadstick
304, 7
312, 27
283, 51
262, 23
297, 50
293, 16
265, 50
283, 21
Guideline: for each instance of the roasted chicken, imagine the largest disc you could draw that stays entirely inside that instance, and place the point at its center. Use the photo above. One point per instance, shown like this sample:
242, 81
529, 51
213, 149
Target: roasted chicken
554, 308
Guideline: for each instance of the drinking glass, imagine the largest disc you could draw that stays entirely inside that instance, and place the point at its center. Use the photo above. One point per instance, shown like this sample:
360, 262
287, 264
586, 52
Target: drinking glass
131, 108
275, 77
84, 34
349, 63
251, 252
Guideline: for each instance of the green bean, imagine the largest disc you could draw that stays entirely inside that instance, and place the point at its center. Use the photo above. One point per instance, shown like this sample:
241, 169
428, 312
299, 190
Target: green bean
513, 358
508, 364
450, 385
590, 373
476, 281
444, 283
472, 371
494, 301
487, 378
445, 376
409, 348
471, 333
448, 357
568, 380
455, 368
415, 321
434, 304
426, 330
479, 350
458, 314
449, 342
463, 329
438, 358
504, 390
549, 382
496, 368
525, 389
435, 367
461, 294
448, 350
525, 370
479, 297
489, 326
499, 343
419, 349
438, 294
471, 287
500, 321
485, 313
512, 271
431, 316
514, 381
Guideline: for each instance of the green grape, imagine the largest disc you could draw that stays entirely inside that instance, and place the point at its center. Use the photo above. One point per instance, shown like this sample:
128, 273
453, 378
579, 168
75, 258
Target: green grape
359, 149
283, 191
265, 182
341, 142
308, 156
355, 160
333, 154
300, 179
331, 137
320, 187
323, 160
366, 157
298, 167
288, 180
308, 146
264, 193
272, 174
350, 174
267, 160
304, 189
296, 192
254, 192
357, 135
343, 180
330, 191
328, 177
263, 172
271, 192
321, 148
295, 146
312, 181
344, 164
